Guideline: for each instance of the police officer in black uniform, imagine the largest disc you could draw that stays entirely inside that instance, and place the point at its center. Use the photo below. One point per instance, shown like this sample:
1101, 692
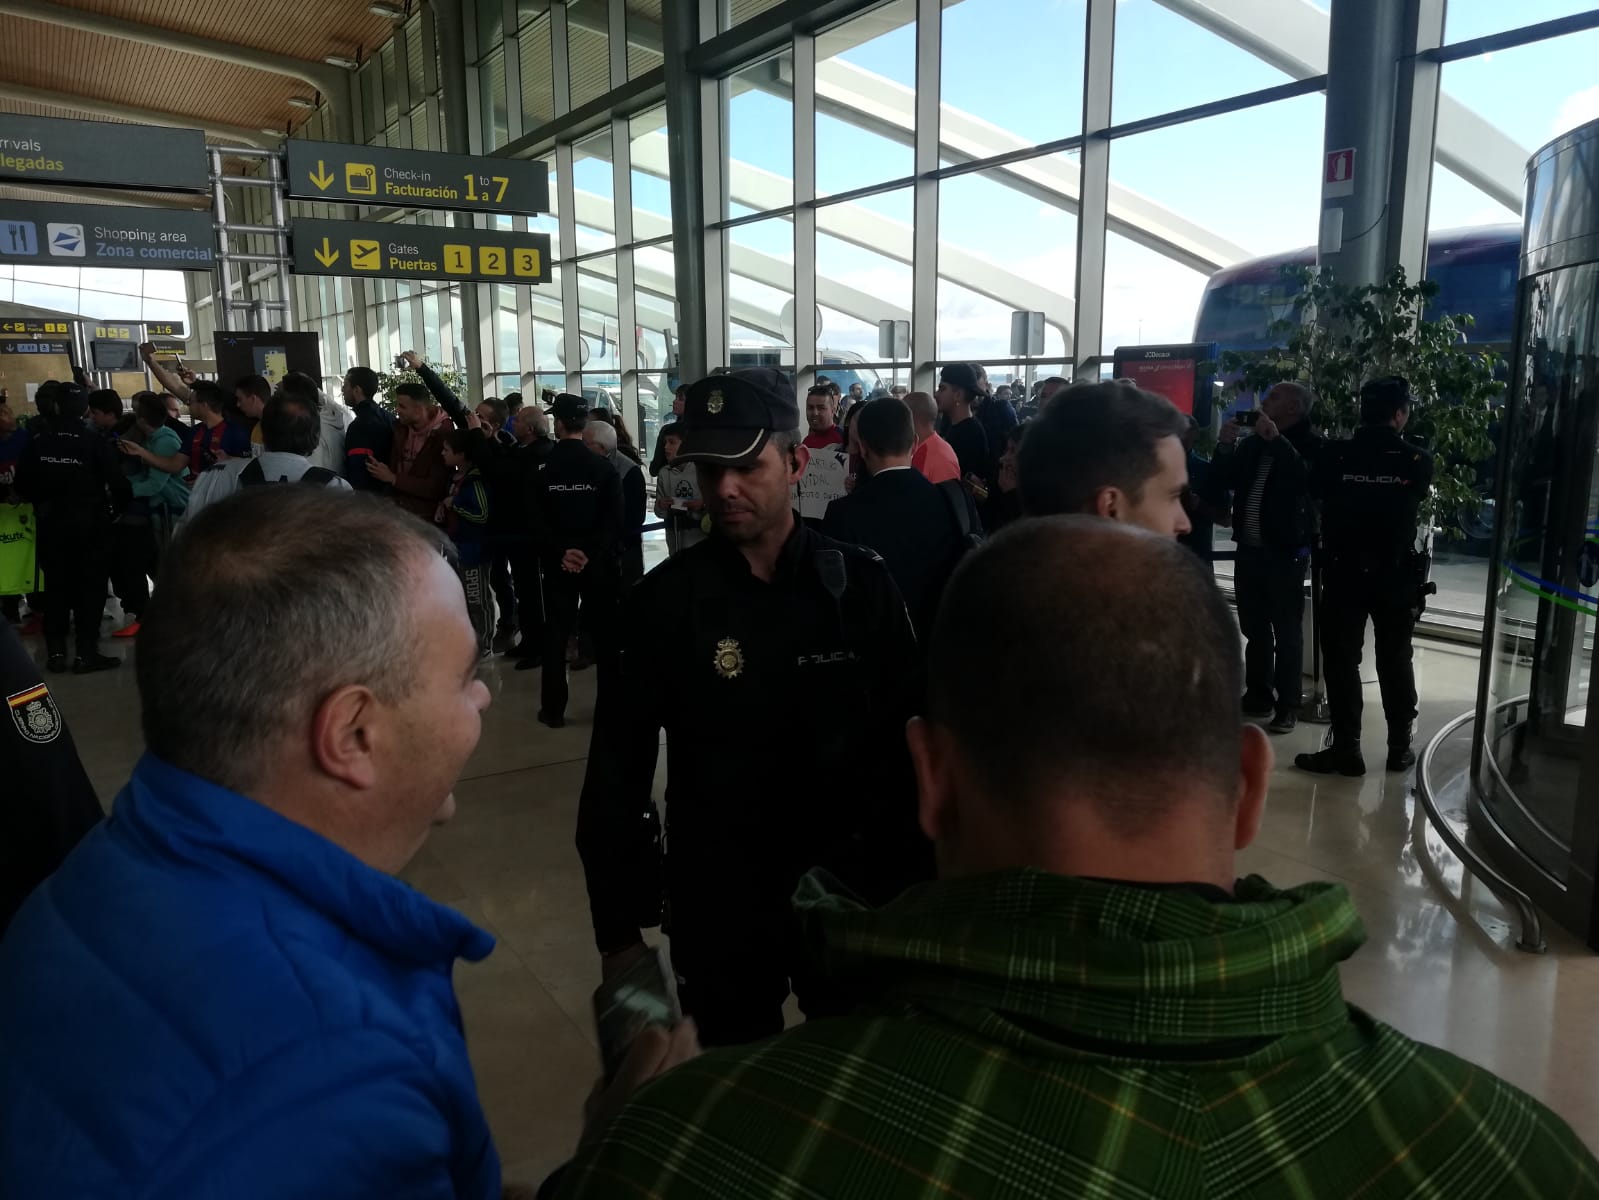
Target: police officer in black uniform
1371, 487
577, 518
49, 802
746, 648
74, 480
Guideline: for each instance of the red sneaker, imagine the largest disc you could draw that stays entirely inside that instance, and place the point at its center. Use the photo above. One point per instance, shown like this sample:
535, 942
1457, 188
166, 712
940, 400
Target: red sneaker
131, 629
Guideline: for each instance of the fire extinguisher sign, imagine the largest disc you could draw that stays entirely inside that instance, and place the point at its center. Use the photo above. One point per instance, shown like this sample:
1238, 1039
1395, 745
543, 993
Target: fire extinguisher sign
1339, 179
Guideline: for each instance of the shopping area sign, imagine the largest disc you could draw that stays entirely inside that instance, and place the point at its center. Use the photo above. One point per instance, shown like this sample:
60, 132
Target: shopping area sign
416, 178
104, 235
386, 251
103, 154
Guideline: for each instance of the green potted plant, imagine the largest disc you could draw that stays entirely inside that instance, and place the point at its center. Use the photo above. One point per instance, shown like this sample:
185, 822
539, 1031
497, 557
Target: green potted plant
1337, 338
453, 378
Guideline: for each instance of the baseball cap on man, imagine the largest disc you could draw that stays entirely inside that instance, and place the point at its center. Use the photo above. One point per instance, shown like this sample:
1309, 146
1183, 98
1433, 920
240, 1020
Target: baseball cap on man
962, 375
728, 419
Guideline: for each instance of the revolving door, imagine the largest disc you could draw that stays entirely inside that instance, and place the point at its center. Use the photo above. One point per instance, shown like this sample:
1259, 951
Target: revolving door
1535, 807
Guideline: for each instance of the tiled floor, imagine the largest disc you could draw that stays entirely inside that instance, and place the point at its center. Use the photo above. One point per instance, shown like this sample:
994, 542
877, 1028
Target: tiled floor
1440, 961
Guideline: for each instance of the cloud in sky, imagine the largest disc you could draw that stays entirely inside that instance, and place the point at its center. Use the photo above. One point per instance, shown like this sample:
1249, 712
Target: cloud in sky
1576, 109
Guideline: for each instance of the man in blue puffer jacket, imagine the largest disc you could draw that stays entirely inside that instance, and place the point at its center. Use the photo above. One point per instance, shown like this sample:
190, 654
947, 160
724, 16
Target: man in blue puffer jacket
224, 991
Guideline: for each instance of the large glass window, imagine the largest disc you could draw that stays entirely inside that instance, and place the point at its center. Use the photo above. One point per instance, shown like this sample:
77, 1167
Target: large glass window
1466, 19
866, 99
760, 291
863, 272
1165, 61
1005, 243
595, 189
651, 184
1175, 216
759, 170
1012, 73
1494, 112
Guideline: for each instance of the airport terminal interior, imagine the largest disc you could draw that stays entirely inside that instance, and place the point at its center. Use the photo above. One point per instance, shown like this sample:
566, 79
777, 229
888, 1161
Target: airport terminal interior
650, 190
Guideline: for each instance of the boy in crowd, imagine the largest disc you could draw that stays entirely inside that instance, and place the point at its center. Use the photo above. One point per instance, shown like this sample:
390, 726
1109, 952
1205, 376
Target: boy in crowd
464, 515
677, 496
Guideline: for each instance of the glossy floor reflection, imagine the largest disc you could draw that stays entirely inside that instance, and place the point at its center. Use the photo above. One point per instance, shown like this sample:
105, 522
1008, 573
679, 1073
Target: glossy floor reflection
1440, 961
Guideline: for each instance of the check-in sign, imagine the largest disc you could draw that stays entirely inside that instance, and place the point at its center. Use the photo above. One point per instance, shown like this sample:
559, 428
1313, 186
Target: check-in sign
381, 175
387, 251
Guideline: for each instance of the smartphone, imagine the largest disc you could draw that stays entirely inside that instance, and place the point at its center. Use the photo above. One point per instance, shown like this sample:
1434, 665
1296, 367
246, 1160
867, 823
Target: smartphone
625, 1005
399, 362
1247, 417
178, 360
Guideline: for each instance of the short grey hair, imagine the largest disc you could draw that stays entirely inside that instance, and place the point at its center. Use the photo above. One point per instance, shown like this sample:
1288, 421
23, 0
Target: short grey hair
604, 433
1302, 396
269, 601
535, 418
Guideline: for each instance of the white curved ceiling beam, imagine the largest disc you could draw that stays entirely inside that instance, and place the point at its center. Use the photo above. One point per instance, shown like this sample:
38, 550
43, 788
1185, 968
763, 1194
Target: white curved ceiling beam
864, 227
1292, 36
852, 93
745, 262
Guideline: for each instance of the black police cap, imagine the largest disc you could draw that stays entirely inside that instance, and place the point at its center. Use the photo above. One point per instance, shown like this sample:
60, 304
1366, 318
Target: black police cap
568, 408
728, 419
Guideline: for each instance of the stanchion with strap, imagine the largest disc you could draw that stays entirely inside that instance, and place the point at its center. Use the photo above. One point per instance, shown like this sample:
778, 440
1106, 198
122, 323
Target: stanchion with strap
1314, 711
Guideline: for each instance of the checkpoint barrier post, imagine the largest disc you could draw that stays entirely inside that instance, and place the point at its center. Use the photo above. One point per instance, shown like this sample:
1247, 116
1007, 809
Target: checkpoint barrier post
1314, 711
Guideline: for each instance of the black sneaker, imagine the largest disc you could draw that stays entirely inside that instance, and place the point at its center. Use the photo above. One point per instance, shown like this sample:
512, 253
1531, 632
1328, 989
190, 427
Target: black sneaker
56, 662
1285, 721
1334, 760
552, 722
1253, 707
1401, 758
89, 664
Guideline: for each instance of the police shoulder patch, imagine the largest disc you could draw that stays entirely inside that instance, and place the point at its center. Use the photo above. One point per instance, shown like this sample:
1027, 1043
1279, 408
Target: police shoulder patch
34, 713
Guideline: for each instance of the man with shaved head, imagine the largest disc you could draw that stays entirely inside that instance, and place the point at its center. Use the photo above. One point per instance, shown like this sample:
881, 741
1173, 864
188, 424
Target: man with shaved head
933, 457
1088, 1001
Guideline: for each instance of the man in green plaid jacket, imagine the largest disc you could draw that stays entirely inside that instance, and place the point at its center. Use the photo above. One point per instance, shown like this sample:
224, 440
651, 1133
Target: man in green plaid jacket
1087, 1003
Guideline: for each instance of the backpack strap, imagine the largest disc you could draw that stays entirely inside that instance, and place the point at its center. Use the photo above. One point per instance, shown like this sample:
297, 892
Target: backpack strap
319, 476
252, 474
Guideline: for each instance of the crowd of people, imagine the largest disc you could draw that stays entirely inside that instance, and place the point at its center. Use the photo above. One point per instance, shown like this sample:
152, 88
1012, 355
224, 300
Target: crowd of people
958, 754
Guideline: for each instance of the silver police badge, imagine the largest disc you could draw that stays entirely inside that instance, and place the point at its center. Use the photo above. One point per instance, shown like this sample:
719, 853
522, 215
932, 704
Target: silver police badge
35, 714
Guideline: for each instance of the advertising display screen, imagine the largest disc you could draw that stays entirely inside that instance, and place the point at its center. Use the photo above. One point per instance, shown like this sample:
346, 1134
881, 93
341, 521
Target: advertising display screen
1182, 374
272, 355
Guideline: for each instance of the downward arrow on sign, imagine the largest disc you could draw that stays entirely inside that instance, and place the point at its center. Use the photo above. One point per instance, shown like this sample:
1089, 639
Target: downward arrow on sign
326, 256
322, 179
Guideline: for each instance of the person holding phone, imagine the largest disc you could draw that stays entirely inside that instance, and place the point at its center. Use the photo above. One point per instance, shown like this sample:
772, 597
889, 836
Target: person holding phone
1274, 522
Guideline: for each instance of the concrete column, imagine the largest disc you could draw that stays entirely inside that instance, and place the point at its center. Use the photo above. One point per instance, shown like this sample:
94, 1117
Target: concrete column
450, 30
1093, 203
1365, 44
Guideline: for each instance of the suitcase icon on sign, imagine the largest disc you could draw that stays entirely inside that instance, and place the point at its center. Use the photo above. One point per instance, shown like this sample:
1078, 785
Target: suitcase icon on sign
360, 179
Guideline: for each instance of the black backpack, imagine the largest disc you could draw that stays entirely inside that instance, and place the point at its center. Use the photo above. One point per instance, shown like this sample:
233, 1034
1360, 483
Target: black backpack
960, 507
253, 475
